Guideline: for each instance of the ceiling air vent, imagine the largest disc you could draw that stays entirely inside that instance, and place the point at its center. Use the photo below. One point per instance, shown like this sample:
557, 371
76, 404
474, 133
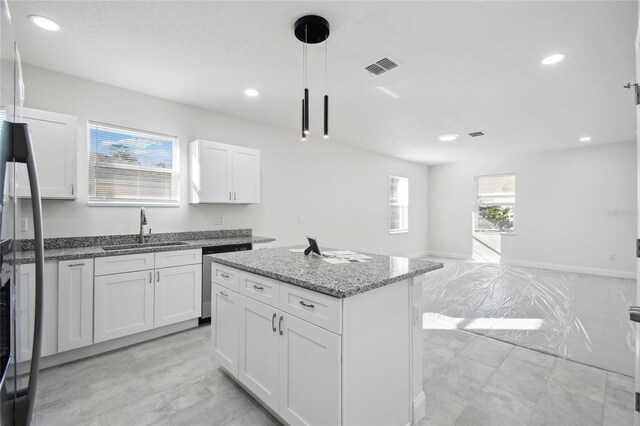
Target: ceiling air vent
375, 69
382, 66
476, 134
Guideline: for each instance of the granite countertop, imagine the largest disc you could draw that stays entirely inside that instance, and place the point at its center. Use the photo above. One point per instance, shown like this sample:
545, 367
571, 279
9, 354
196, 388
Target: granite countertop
314, 273
86, 247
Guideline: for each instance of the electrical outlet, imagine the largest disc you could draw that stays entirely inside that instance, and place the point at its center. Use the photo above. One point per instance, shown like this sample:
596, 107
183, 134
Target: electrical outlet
612, 256
24, 224
218, 220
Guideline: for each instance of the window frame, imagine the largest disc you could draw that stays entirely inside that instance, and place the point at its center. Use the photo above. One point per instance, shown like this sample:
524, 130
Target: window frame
391, 205
136, 203
477, 205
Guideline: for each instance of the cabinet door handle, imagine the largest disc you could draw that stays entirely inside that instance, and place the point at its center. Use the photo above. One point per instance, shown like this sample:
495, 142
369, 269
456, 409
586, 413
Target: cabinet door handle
280, 325
224, 293
273, 322
234, 196
225, 276
150, 276
258, 287
75, 264
72, 189
229, 196
307, 305
158, 276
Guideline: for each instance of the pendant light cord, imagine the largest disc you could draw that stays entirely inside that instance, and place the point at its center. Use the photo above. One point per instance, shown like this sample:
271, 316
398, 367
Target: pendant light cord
326, 62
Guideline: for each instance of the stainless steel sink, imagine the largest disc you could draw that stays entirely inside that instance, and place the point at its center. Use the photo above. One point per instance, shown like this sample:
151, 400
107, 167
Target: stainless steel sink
145, 245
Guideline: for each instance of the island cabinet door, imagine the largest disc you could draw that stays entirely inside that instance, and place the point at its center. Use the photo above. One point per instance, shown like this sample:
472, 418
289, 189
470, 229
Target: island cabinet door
259, 350
225, 312
309, 373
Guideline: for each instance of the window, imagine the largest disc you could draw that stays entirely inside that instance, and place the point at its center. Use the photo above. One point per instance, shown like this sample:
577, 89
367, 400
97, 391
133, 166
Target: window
496, 203
131, 167
399, 202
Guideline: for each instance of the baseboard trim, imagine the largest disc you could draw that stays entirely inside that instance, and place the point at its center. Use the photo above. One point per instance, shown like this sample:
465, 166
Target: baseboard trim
449, 255
417, 254
419, 407
572, 268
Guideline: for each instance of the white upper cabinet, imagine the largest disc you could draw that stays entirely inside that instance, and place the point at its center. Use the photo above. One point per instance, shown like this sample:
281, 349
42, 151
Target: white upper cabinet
54, 138
246, 175
221, 173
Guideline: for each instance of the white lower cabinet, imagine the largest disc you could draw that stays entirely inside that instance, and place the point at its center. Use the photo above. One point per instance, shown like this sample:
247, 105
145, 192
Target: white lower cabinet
178, 294
259, 339
309, 374
291, 365
134, 294
75, 304
123, 304
225, 318
26, 308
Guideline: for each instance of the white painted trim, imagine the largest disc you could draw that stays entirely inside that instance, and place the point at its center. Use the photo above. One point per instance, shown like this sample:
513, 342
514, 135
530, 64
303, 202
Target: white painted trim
450, 255
417, 254
419, 408
572, 268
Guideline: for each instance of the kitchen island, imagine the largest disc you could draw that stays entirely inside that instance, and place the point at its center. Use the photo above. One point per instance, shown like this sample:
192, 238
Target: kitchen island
320, 343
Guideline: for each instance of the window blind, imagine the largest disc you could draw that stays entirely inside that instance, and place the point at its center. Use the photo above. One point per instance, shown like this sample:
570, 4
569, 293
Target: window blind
399, 204
132, 167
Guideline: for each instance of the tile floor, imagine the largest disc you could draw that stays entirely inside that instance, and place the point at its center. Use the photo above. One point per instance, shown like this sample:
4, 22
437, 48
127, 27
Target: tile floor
468, 379
475, 380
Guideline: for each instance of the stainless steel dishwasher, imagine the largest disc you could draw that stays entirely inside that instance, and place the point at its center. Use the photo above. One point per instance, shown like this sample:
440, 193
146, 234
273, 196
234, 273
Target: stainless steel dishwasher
206, 275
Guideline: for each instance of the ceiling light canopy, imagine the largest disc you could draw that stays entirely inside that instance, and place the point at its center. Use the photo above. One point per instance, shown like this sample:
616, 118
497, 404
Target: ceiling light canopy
252, 93
585, 139
553, 59
44, 22
448, 138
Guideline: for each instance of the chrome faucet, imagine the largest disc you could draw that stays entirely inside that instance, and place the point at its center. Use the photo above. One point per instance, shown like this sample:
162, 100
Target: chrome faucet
143, 222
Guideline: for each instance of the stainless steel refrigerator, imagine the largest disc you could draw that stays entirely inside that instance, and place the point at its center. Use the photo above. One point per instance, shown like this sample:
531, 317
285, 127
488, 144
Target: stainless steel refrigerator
19, 378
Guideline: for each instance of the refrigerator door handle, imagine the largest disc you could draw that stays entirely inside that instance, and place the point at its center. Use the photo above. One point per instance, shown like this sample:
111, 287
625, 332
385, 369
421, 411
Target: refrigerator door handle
23, 153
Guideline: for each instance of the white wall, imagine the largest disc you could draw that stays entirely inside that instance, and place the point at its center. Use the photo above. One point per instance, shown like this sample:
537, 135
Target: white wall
574, 207
334, 192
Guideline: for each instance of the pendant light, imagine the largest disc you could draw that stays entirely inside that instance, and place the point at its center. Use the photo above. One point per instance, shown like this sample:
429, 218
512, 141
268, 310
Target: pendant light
312, 29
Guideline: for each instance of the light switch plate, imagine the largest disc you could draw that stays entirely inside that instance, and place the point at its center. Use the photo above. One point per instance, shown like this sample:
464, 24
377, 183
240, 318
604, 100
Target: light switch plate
218, 220
24, 224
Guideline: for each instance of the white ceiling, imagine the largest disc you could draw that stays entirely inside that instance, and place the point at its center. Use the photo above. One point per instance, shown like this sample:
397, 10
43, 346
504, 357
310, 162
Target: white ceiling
465, 66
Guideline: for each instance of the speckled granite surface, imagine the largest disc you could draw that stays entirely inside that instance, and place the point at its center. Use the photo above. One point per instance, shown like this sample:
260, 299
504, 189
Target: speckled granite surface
85, 247
312, 272
112, 240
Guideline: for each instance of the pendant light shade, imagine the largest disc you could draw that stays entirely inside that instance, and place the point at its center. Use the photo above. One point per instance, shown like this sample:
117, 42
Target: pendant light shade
306, 111
312, 29
326, 116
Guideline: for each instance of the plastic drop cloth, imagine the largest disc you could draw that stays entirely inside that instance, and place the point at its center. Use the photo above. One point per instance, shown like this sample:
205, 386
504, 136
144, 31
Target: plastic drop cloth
579, 317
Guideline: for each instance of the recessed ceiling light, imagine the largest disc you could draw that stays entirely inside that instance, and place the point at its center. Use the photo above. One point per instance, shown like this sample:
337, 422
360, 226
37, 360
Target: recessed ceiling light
585, 139
448, 138
44, 23
553, 59
251, 93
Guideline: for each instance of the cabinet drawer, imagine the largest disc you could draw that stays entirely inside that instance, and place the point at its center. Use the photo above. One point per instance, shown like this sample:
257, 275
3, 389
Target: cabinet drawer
260, 288
225, 276
126, 263
317, 308
166, 259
